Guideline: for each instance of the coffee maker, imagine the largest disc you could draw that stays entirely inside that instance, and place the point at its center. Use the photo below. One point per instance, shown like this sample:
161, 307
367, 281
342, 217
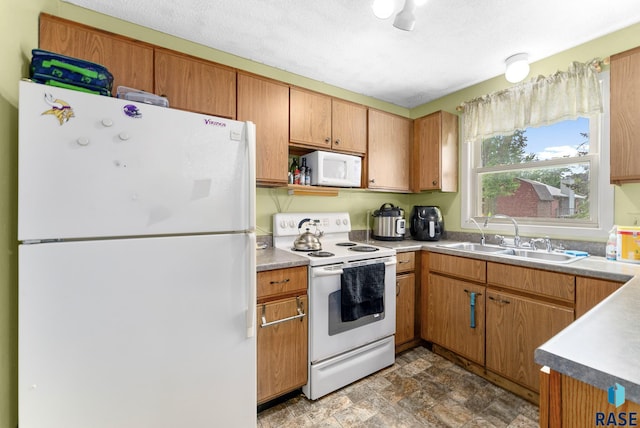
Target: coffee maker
426, 223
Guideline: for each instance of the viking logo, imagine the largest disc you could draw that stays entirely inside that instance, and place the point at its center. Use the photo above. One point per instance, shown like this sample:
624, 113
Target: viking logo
60, 109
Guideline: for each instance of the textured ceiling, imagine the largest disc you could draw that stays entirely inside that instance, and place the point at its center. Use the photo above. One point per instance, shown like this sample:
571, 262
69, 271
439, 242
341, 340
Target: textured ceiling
455, 43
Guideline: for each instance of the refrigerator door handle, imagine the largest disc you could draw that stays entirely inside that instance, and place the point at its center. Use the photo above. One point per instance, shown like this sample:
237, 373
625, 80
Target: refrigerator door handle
251, 284
251, 142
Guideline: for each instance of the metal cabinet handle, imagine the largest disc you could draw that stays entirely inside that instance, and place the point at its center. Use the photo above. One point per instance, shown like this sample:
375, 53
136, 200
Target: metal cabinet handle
300, 315
338, 141
401, 262
327, 140
398, 288
373, 180
434, 182
499, 300
284, 281
472, 310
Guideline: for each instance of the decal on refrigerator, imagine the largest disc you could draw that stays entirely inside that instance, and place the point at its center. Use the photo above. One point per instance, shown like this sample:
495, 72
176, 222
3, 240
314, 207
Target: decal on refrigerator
59, 108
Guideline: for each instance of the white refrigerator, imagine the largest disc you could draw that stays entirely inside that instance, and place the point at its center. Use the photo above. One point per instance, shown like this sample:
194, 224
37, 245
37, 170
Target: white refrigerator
136, 230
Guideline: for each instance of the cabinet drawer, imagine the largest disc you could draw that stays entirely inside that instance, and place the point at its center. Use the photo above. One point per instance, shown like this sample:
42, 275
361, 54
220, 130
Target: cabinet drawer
406, 262
282, 281
544, 283
461, 267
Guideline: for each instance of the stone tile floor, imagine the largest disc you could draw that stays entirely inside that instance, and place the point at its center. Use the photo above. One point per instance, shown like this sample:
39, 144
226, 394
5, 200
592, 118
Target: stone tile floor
421, 389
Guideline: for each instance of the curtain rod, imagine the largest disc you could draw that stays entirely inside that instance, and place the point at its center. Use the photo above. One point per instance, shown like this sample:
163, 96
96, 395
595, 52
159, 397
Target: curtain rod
597, 65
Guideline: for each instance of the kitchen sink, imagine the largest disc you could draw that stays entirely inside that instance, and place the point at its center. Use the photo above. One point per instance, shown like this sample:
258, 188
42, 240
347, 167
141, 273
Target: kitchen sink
475, 248
542, 255
519, 253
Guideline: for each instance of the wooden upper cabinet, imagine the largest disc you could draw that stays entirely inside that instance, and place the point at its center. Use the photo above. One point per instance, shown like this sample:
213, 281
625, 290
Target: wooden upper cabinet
435, 159
266, 103
325, 123
389, 151
310, 119
130, 61
625, 120
194, 84
348, 127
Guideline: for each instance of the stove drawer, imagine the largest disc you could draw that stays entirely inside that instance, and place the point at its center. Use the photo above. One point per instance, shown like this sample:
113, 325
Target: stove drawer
281, 282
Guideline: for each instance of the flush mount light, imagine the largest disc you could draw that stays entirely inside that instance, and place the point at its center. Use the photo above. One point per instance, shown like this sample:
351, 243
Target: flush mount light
405, 20
517, 67
383, 9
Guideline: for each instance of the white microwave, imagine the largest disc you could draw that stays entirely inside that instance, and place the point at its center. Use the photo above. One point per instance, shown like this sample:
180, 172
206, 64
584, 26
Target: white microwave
334, 169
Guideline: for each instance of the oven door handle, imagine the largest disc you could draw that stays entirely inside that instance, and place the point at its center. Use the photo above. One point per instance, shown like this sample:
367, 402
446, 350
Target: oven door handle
330, 271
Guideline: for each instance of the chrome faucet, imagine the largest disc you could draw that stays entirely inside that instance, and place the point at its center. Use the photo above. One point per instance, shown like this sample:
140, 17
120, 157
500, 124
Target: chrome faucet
546, 241
516, 238
482, 241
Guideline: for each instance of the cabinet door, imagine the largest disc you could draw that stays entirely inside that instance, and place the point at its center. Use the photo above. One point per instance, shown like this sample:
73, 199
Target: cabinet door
405, 308
516, 326
591, 291
625, 121
452, 321
130, 61
389, 151
282, 348
194, 84
309, 119
266, 103
436, 152
348, 127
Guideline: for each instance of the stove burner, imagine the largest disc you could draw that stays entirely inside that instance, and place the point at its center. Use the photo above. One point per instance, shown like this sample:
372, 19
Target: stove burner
321, 254
364, 249
346, 244
304, 249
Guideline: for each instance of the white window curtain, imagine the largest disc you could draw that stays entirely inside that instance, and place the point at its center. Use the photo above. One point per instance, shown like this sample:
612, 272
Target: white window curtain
540, 101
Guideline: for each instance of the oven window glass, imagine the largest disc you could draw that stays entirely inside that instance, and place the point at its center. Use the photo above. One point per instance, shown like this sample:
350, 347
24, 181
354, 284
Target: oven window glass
336, 326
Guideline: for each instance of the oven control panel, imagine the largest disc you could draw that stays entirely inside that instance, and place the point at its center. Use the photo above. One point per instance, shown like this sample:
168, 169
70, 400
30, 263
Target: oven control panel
286, 224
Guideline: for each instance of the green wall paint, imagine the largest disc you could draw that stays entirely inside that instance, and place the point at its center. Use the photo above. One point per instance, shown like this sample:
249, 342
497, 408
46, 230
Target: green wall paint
19, 34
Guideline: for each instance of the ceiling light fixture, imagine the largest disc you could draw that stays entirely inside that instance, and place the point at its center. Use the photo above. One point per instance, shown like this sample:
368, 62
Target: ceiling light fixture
405, 20
383, 9
517, 67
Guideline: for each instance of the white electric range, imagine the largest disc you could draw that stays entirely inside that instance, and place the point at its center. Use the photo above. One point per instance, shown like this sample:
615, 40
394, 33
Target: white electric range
340, 352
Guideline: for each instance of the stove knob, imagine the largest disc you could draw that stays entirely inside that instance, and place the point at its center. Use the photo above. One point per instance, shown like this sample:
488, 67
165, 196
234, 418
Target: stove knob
345, 221
292, 224
283, 224
337, 222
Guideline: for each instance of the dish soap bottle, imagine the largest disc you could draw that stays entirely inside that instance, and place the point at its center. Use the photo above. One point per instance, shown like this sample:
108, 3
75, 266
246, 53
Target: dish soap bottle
612, 245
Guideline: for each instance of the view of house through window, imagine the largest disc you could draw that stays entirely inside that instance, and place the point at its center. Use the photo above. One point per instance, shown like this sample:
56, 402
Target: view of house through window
541, 173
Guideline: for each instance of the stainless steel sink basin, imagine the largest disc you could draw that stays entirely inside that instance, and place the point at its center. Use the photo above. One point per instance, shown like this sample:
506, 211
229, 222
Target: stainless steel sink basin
519, 253
542, 255
475, 248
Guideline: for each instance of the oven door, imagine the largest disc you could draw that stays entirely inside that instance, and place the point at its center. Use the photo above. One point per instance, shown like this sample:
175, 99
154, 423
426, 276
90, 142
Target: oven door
328, 334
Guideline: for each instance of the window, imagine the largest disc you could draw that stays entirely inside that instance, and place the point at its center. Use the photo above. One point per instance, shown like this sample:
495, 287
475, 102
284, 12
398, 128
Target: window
553, 179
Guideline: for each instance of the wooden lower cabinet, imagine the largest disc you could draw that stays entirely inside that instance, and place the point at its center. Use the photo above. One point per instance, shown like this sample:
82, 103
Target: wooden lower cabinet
570, 403
452, 321
407, 299
591, 291
405, 308
282, 342
515, 327
282, 347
